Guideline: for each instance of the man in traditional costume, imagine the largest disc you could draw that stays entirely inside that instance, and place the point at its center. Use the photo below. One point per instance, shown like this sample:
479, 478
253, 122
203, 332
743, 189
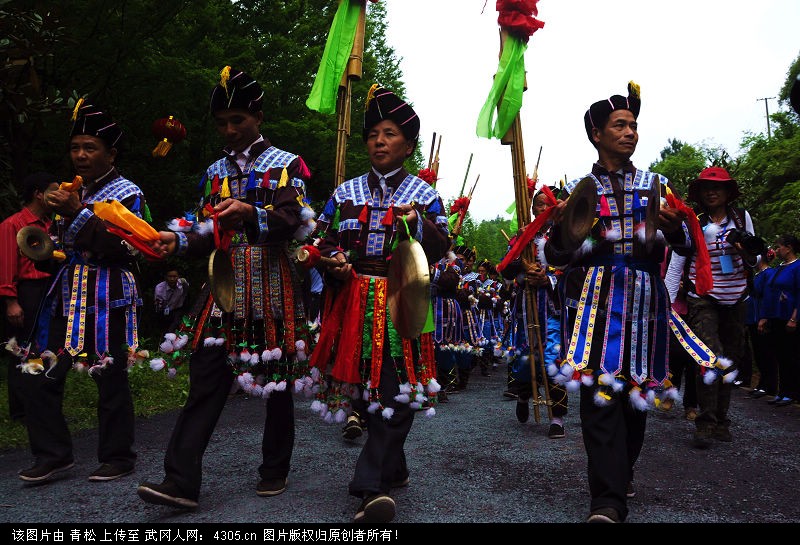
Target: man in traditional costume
616, 312
89, 318
253, 199
360, 351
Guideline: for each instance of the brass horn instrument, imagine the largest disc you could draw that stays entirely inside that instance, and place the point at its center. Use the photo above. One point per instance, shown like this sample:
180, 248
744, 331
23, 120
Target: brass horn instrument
35, 243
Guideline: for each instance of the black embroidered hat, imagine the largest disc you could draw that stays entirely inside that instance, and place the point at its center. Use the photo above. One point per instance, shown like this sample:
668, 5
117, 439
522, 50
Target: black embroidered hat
236, 90
384, 104
599, 112
92, 121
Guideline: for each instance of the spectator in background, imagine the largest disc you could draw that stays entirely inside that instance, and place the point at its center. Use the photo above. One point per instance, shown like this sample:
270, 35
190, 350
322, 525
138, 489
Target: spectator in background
169, 299
764, 358
779, 319
22, 285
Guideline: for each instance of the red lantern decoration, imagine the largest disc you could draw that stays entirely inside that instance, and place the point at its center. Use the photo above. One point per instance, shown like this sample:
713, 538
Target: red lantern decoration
170, 131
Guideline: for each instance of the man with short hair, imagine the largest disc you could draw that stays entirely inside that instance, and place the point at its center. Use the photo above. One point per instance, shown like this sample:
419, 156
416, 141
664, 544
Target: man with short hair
90, 318
615, 307
169, 298
254, 198
22, 285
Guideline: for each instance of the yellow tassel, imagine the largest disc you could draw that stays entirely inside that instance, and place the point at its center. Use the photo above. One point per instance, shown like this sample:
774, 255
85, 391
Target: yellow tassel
634, 90
225, 192
77, 107
371, 93
223, 78
268, 207
284, 179
162, 148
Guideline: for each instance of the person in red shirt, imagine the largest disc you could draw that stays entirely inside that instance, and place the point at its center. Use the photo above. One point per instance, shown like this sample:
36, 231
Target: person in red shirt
22, 285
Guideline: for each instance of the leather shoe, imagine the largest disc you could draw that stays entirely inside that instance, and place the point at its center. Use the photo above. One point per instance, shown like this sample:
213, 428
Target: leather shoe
377, 509
271, 487
44, 471
784, 402
757, 393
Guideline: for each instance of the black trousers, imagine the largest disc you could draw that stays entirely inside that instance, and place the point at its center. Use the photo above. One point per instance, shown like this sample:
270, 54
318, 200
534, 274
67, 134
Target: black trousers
48, 433
383, 458
613, 437
29, 296
210, 380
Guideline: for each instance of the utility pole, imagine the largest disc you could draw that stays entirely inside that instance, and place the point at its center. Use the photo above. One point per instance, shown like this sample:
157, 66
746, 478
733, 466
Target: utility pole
766, 106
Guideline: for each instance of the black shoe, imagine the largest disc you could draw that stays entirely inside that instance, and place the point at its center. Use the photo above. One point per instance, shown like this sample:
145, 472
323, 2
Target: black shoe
377, 509
166, 493
774, 400
556, 431
757, 393
523, 412
784, 402
109, 472
722, 434
603, 514
630, 492
44, 471
271, 487
510, 394
352, 429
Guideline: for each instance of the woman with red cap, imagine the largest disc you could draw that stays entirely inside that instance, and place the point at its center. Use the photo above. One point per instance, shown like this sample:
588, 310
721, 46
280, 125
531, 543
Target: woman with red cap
718, 316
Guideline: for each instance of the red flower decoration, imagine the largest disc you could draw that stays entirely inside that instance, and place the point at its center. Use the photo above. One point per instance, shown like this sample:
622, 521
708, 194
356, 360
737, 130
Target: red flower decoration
460, 205
516, 17
428, 175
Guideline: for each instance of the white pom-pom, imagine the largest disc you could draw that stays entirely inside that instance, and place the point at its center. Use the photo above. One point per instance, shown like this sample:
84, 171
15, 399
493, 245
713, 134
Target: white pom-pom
258, 390
254, 359
730, 377
316, 406
157, 364
180, 342
637, 400
171, 337
387, 413
172, 372
373, 407
573, 385
586, 247
434, 386
204, 228
340, 416
270, 386
672, 393
709, 377
166, 347
402, 398
723, 362
405, 388
414, 405
552, 369
641, 230
300, 345
219, 341
613, 235
209, 341
314, 374
606, 379
601, 399
276, 354
430, 412
281, 386
587, 379
266, 355
298, 386
650, 397
328, 417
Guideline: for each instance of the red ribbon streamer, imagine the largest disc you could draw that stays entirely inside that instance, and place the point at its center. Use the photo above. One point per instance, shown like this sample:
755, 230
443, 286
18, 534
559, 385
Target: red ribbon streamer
704, 282
529, 231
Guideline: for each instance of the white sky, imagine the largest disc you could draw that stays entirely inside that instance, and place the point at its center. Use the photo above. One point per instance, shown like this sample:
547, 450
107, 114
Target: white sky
702, 66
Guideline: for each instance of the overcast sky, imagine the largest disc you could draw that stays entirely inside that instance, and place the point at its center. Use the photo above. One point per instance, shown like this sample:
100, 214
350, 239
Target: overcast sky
702, 66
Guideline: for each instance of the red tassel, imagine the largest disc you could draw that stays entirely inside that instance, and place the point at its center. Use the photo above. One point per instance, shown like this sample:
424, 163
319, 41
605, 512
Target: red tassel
704, 282
215, 185
525, 238
362, 217
388, 218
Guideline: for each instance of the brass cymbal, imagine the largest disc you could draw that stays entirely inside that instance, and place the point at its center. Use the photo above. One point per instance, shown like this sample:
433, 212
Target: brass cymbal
578, 216
651, 219
35, 243
221, 280
408, 289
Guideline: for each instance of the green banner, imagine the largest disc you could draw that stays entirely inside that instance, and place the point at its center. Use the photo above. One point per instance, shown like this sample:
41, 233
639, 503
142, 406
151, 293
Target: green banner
509, 83
334, 60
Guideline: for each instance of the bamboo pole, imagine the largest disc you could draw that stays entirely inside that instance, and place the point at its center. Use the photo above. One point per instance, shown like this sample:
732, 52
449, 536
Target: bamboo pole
513, 138
344, 99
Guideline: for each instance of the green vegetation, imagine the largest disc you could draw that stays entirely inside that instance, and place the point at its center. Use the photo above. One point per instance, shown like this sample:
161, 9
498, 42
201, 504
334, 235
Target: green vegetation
153, 393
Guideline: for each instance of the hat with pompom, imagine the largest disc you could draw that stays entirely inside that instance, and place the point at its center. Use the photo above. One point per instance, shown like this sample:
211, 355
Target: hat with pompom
598, 113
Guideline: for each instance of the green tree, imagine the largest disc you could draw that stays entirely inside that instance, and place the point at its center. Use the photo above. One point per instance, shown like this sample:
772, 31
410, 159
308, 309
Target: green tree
681, 163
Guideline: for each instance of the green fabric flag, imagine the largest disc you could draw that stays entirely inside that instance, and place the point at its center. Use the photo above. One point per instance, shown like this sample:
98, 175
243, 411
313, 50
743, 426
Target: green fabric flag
512, 208
429, 326
334, 60
509, 83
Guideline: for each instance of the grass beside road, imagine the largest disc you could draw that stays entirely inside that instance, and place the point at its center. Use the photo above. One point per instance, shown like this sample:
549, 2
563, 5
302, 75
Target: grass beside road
153, 393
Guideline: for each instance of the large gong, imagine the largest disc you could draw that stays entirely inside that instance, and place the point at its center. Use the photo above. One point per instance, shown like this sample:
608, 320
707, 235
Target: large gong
35, 243
579, 213
221, 279
651, 219
408, 289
